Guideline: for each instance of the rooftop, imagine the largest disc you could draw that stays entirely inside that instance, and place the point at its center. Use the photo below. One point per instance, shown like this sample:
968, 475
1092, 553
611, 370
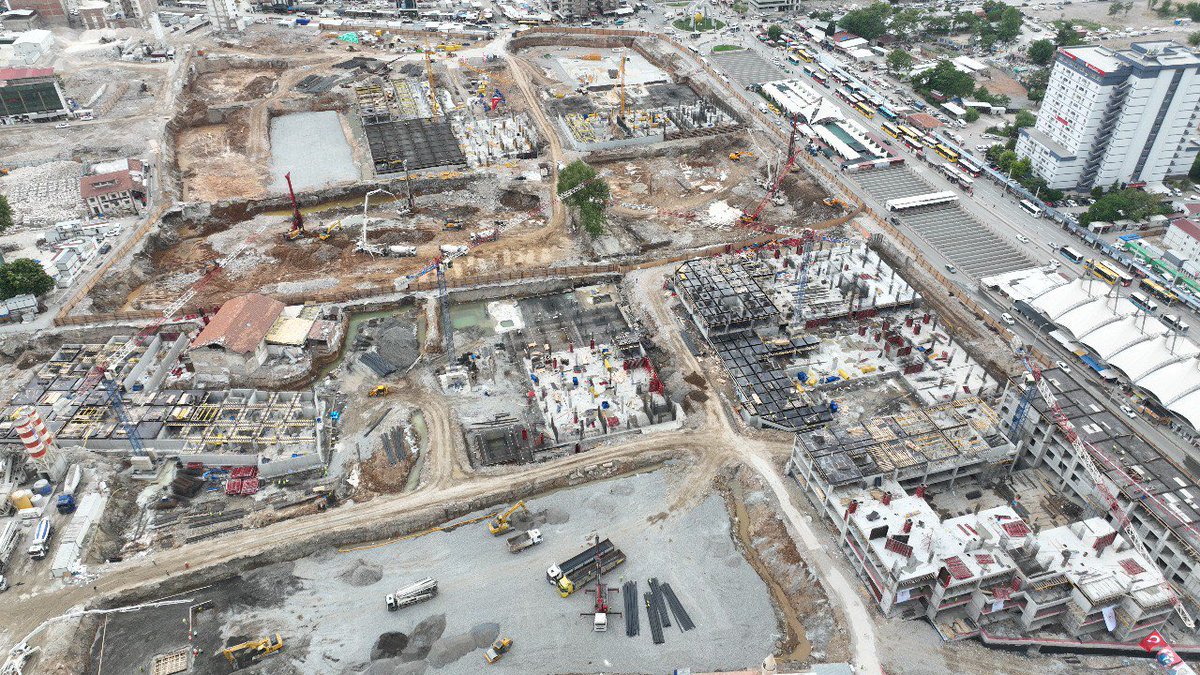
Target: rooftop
108, 183
241, 324
10, 74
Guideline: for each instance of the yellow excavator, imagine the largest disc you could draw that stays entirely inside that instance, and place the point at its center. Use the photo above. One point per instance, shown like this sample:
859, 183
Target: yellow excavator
379, 390
735, 156
499, 525
330, 230
252, 651
833, 201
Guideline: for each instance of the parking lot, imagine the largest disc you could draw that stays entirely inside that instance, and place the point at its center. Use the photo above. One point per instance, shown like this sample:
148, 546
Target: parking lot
968, 244
747, 67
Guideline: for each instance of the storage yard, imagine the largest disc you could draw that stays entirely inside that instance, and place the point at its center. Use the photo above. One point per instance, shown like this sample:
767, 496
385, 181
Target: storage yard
345, 378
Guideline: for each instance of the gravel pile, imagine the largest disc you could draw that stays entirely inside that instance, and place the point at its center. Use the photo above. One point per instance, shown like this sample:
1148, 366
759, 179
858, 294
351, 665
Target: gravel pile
362, 573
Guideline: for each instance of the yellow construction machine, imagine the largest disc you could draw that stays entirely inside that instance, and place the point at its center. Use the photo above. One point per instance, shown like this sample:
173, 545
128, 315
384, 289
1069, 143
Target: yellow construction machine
499, 525
380, 390
330, 230
452, 225
833, 201
498, 649
735, 156
252, 651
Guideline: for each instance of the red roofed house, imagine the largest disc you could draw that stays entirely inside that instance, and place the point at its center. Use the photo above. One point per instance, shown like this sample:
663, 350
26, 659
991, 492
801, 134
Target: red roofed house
235, 341
1183, 237
121, 192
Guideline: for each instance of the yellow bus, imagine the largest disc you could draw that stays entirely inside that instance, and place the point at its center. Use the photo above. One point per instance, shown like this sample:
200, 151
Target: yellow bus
891, 130
909, 132
1157, 290
1108, 273
945, 151
864, 110
804, 55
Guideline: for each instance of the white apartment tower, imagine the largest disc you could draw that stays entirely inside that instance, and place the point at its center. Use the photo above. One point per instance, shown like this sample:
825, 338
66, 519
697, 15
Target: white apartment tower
1118, 117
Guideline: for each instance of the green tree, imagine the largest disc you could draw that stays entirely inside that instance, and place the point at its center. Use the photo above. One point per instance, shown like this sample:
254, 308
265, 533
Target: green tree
1119, 204
1009, 26
972, 115
1065, 35
23, 276
1194, 38
993, 153
899, 62
741, 8
1114, 9
6, 214
947, 79
1041, 51
1035, 84
869, 22
774, 31
1194, 173
1024, 119
591, 200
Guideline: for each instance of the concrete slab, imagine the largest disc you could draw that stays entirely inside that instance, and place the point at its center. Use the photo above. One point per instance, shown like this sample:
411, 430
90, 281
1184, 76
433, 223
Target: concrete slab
313, 147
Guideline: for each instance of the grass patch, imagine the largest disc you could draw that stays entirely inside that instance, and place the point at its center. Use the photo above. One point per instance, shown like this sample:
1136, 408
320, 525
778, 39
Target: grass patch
705, 25
725, 48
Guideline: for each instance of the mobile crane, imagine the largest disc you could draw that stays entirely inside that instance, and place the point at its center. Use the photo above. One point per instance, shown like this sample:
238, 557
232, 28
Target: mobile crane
499, 525
297, 230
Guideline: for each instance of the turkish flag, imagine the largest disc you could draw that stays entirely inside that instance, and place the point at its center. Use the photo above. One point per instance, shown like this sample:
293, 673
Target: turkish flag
1153, 642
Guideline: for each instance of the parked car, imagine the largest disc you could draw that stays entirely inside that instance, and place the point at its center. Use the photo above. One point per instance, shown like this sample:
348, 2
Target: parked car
1062, 365
1008, 319
1128, 411
951, 269
1023, 239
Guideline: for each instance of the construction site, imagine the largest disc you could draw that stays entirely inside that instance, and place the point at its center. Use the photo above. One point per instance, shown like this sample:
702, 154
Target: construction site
362, 391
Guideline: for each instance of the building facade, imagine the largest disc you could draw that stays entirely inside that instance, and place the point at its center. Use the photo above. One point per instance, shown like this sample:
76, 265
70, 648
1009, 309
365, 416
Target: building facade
121, 192
1183, 237
1116, 117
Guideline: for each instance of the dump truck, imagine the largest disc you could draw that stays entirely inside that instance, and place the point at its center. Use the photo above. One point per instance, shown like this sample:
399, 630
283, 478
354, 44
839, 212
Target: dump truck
41, 539
485, 235
590, 572
524, 540
581, 569
425, 589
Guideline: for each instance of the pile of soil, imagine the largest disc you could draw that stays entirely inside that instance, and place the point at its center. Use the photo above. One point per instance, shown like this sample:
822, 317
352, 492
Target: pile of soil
362, 573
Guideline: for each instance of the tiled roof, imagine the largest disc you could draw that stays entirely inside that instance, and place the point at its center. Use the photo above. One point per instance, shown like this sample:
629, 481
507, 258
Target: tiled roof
241, 324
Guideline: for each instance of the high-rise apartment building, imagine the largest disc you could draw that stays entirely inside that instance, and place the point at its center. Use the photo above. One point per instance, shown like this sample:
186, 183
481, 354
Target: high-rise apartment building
1116, 117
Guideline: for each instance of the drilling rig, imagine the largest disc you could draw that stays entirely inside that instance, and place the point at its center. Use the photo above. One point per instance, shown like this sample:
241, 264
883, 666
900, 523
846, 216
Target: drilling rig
297, 230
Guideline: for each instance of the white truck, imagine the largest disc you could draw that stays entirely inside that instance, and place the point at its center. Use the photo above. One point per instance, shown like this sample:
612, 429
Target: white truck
397, 251
524, 540
10, 534
41, 539
425, 589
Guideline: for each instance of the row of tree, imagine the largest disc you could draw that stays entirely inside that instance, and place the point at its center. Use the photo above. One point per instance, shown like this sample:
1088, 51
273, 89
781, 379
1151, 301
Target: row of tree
22, 275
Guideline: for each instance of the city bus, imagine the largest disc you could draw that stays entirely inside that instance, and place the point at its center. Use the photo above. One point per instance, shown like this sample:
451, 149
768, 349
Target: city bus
1174, 322
1071, 254
887, 113
957, 177
946, 152
804, 55
864, 110
1159, 292
890, 130
1032, 208
970, 166
820, 78
910, 132
793, 59
1107, 273
1143, 303
913, 144
846, 94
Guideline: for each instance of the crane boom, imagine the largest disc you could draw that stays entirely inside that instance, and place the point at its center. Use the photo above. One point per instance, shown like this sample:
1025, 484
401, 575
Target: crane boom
1087, 454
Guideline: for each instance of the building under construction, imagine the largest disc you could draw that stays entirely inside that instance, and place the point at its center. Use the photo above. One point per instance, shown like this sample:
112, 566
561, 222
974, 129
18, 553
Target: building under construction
223, 427
984, 573
1158, 495
796, 330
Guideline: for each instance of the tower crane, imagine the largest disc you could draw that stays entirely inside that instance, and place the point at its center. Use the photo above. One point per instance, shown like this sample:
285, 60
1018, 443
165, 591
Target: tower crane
1088, 455
446, 260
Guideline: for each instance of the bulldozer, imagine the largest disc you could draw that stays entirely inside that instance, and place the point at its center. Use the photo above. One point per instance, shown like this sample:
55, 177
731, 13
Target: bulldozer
252, 651
499, 525
735, 156
498, 649
379, 391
